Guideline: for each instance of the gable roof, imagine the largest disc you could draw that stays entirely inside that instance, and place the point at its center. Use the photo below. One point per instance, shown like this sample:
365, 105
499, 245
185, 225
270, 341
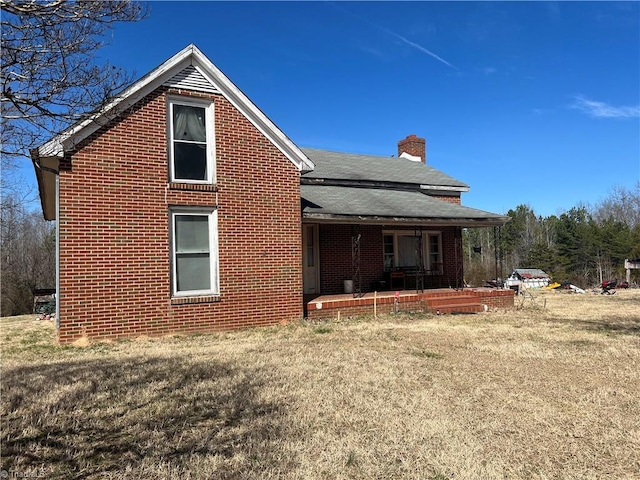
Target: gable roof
189, 68
377, 169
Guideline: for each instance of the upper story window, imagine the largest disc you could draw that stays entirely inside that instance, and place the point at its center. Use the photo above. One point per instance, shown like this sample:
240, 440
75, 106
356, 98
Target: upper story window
191, 141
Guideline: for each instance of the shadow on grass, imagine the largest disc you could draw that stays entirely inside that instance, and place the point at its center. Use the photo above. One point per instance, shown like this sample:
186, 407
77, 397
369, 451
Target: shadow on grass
612, 325
139, 418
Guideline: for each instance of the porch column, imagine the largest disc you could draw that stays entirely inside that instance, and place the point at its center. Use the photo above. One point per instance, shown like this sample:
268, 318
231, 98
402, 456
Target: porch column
355, 261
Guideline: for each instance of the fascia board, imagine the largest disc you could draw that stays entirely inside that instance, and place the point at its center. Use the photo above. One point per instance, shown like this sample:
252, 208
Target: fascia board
445, 188
376, 220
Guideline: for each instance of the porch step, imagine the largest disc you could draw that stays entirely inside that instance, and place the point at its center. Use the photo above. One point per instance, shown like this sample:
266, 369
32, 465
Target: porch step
461, 303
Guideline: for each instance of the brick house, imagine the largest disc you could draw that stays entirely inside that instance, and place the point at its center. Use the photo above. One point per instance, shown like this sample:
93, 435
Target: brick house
180, 205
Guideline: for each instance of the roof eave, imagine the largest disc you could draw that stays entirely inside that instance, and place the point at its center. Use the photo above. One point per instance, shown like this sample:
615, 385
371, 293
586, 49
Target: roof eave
424, 221
46, 178
446, 188
346, 182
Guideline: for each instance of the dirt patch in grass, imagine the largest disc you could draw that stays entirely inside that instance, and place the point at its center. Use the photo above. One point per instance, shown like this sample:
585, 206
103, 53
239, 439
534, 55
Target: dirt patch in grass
542, 392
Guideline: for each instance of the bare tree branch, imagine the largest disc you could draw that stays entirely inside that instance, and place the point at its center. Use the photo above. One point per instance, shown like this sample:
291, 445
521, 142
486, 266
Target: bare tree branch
50, 76
622, 205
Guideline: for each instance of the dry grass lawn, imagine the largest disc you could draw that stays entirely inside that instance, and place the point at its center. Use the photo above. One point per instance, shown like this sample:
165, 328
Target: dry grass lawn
550, 391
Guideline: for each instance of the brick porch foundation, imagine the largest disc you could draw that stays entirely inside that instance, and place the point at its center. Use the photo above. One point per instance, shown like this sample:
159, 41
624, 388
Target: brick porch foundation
468, 300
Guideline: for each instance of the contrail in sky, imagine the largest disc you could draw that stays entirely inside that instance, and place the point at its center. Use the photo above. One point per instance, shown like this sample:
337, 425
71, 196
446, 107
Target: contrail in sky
415, 45
394, 34
604, 110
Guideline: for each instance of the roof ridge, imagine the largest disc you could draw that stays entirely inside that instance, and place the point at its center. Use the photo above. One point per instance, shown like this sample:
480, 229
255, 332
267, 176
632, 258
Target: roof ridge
348, 153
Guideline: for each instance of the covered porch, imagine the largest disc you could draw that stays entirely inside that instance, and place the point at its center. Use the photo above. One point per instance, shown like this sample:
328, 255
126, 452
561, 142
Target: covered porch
383, 229
383, 240
362, 258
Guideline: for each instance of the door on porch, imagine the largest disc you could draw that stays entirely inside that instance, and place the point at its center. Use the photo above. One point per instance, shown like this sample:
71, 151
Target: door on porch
310, 259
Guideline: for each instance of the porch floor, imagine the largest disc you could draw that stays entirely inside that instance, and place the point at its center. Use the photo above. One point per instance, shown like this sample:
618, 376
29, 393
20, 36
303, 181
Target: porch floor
437, 301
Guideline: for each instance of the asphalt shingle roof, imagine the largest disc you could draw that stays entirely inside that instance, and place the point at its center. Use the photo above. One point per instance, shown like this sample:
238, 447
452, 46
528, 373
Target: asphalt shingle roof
323, 201
372, 168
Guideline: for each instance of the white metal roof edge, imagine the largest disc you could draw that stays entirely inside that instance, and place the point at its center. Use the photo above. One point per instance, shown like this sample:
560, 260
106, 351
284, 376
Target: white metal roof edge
239, 100
444, 188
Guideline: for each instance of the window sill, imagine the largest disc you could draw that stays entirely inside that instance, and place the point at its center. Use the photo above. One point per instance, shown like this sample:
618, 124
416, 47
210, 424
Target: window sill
195, 299
201, 187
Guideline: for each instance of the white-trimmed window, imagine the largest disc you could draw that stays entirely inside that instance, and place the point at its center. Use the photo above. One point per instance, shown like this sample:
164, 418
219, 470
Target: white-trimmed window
194, 252
191, 141
434, 257
399, 250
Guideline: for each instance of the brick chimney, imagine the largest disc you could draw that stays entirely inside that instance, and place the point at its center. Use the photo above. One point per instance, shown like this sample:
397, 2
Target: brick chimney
414, 148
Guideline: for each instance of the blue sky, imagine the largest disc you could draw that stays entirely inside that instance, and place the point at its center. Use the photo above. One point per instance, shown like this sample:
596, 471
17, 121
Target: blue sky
532, 103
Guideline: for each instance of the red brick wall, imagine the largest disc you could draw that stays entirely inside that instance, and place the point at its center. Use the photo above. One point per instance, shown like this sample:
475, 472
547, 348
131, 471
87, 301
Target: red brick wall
336, 263
494, 298
367, 309
335, 256
451, 239
448, 198
433, 301
114, 230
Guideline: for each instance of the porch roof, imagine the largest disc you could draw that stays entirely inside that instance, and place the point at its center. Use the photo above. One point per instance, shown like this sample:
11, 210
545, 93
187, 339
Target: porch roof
337, 204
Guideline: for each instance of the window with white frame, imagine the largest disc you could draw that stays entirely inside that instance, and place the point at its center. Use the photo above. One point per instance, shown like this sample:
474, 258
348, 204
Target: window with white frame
191, 141
388, 252
434, 257
194, 252
399, 250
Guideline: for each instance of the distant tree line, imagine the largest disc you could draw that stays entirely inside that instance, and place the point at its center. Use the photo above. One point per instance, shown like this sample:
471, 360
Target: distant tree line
27, 243
584, 245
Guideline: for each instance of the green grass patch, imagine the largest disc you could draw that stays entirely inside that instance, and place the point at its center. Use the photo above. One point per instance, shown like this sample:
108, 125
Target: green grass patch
426, 354
322, 330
